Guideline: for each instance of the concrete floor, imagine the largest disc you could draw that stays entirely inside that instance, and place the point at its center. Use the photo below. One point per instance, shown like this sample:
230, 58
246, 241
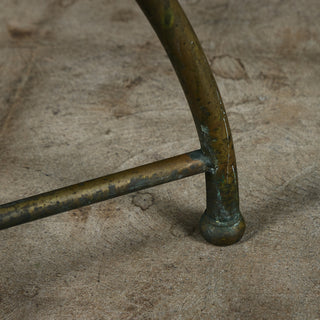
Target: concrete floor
86, 90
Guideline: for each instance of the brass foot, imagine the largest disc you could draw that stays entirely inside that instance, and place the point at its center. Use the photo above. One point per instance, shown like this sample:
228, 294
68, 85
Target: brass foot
222, 233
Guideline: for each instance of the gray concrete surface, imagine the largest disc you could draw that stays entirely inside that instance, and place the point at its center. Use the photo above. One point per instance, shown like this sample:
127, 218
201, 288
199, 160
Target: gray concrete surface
86, 90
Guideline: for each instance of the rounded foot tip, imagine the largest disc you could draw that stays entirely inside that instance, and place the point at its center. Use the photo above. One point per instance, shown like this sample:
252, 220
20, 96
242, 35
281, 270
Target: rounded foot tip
222, 233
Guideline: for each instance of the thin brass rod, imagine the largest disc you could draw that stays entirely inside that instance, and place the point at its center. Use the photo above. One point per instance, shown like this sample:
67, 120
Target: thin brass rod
100, 189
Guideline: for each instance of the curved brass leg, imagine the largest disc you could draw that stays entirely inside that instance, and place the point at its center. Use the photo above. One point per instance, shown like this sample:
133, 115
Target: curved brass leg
222, 222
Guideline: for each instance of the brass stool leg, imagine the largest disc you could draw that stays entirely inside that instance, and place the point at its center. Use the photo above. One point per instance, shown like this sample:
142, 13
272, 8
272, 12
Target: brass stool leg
222, 222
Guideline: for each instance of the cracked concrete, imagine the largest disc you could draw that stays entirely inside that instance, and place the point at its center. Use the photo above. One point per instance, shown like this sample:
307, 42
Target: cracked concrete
86, 90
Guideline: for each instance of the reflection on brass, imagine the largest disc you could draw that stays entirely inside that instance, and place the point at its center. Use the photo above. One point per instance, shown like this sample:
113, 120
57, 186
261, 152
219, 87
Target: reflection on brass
222, 222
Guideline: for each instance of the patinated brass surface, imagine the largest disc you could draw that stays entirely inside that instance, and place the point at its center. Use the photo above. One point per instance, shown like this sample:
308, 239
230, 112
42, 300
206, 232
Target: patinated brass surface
100, 189
222, 223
